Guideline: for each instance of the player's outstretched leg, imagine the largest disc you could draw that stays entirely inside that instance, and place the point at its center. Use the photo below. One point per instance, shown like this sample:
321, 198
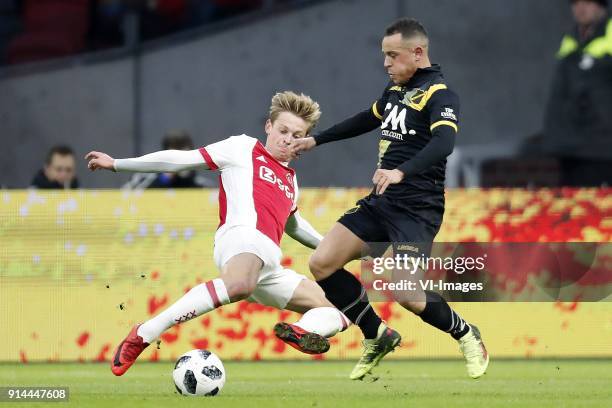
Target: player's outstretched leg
475, 352
345, 291
238, 280
200, 299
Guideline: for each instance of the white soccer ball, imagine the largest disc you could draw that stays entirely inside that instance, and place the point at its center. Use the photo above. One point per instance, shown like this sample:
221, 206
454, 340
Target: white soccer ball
199, 372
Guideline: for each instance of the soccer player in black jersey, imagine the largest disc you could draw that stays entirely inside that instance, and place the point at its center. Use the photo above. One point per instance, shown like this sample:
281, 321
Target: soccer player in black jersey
418, 116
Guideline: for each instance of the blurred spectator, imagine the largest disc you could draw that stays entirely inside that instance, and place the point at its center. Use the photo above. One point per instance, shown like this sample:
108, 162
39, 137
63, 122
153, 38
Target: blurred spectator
578, 121
174, 140
59, 170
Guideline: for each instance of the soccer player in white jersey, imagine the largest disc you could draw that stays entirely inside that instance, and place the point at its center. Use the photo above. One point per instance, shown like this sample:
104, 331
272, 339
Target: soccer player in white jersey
257, 203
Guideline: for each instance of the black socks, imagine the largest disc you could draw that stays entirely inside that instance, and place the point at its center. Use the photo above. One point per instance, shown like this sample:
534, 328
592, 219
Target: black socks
345, 292
439, 314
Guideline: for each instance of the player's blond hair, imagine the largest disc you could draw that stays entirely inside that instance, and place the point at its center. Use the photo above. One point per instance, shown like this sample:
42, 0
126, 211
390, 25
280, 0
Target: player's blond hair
300, 105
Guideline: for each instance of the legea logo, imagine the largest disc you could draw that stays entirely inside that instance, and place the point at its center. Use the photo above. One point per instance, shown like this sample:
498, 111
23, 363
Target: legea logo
269, 176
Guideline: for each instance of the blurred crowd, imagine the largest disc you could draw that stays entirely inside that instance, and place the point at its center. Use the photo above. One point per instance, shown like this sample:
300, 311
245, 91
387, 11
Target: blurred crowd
34, 30
574, 147
59, 169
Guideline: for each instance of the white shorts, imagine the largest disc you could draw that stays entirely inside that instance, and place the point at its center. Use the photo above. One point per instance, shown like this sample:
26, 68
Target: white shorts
275, 285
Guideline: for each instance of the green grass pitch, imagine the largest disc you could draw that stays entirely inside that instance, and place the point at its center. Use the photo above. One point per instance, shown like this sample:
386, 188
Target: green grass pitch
421, 383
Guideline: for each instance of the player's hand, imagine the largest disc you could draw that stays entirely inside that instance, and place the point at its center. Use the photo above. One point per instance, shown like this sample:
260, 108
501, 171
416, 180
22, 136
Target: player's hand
99, 160
382, 179
301, 145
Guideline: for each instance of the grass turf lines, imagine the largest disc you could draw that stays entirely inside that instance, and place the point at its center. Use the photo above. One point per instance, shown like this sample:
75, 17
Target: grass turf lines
421, 383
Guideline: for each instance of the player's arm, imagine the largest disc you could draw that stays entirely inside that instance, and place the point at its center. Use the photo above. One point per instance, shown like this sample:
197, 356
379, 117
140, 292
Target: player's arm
443, 110
359, 124
301, 230
157, 162
363, 122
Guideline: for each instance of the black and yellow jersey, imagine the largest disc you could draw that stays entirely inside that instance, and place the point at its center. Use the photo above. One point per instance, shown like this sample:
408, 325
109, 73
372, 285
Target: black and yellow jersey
409, 114
418, 123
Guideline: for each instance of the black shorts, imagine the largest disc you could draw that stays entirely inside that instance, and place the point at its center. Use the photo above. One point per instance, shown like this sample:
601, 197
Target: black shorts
377, 220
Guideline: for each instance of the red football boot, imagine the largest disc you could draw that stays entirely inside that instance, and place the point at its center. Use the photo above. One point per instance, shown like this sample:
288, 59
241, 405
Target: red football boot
127, 352
300, 339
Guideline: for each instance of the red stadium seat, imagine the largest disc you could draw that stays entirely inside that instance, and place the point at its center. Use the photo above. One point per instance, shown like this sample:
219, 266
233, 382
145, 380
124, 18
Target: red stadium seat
44, 15
38, 46
52, 28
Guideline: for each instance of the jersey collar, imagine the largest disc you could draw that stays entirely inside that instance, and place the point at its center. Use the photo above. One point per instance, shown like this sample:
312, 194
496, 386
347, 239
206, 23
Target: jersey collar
423, 75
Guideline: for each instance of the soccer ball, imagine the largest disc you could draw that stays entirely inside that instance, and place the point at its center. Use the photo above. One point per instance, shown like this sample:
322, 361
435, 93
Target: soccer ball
199, 372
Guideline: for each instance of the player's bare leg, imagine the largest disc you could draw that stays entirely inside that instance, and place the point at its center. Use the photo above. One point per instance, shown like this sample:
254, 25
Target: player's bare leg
240, 275
339, 247
320, 320
238, 280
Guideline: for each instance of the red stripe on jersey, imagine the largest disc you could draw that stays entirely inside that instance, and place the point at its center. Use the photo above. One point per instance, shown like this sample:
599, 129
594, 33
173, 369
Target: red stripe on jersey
222, 203
213, 293
273, 193
209, 161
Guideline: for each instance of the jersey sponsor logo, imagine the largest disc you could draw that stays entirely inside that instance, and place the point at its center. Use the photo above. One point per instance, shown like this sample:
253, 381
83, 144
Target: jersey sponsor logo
268, 175
396, 118
392, 135
448, 113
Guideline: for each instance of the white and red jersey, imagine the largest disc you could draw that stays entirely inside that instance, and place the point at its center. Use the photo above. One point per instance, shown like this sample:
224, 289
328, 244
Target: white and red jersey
255, 189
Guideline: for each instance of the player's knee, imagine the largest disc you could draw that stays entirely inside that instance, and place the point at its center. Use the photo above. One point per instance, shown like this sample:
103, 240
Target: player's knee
239, 290
320, 265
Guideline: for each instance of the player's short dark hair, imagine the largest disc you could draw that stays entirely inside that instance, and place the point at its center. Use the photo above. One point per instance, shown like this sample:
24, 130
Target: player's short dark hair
177, 140
61, 150
407, 27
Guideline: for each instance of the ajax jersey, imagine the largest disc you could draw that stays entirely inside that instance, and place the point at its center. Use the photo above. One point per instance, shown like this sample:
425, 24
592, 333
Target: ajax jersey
254, 188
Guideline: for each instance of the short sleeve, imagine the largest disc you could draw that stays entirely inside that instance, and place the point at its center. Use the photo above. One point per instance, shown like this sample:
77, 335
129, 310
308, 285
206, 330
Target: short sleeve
227, 152
443, 108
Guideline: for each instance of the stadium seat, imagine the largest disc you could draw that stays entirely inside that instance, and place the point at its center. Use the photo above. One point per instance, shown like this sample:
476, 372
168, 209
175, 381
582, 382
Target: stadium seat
52, 28
38, 46
52, 15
